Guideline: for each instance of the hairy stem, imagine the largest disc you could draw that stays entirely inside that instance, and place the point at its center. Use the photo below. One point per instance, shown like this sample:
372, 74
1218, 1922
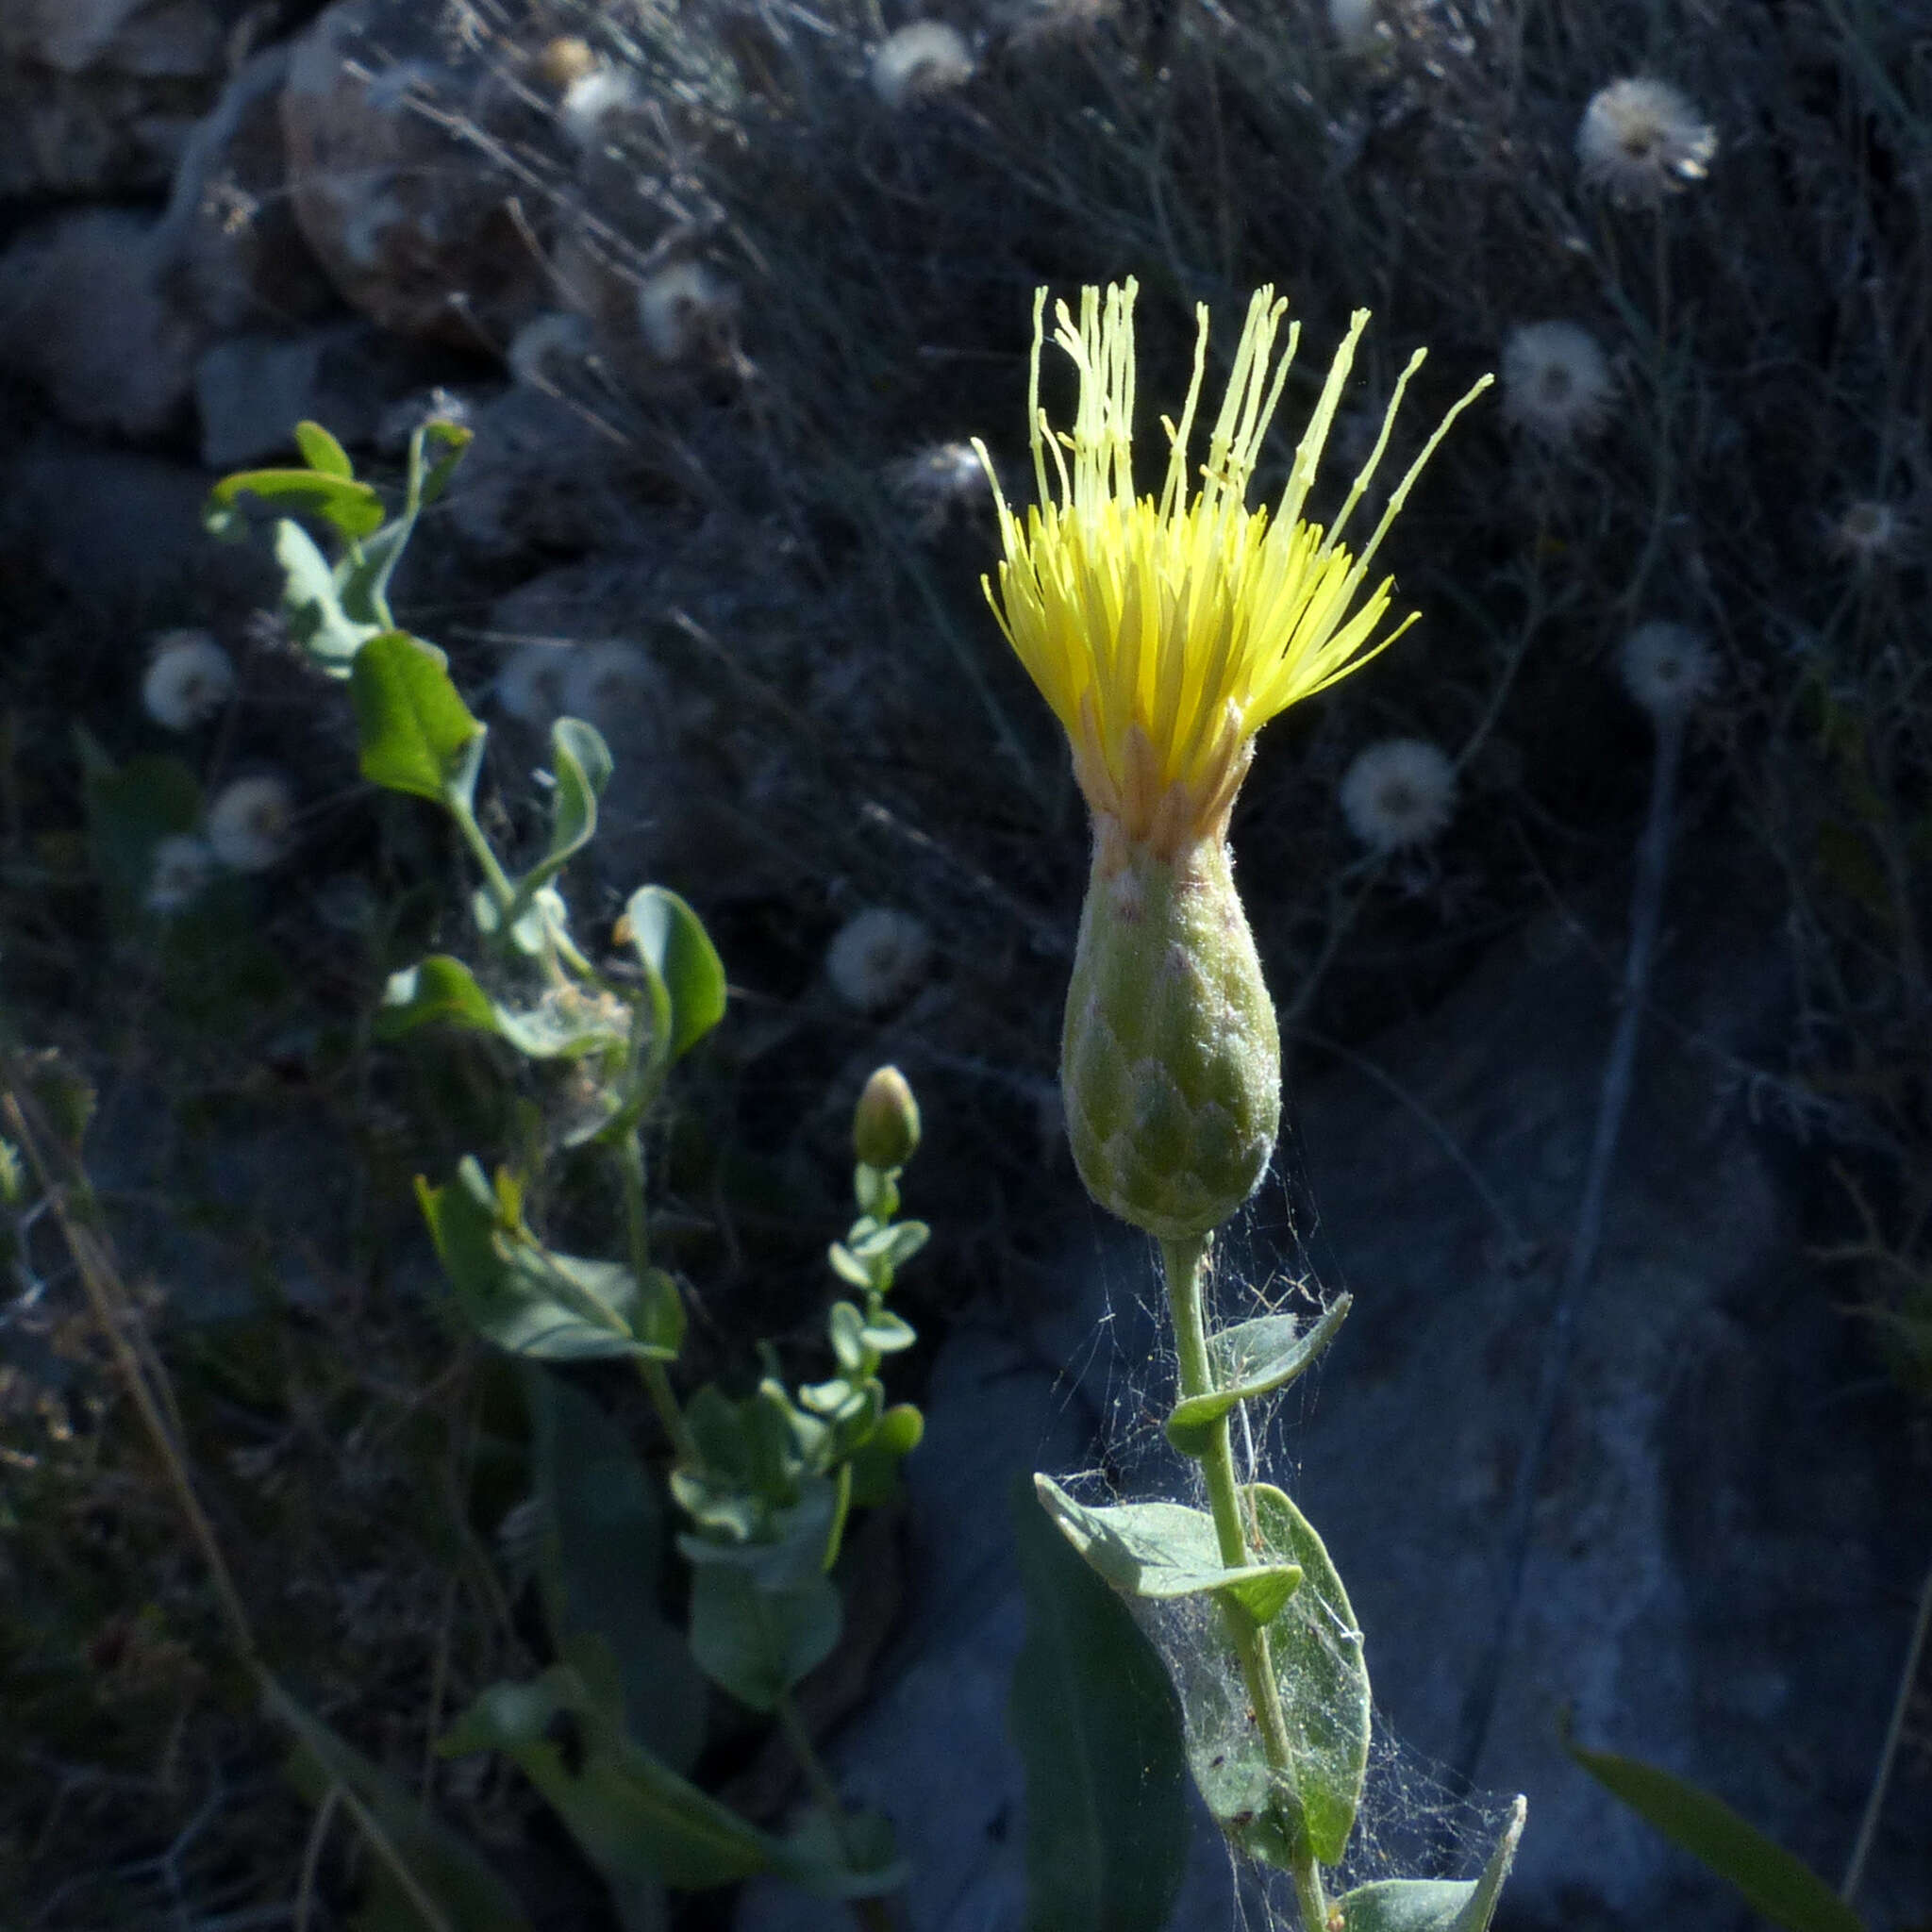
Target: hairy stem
1185, 1266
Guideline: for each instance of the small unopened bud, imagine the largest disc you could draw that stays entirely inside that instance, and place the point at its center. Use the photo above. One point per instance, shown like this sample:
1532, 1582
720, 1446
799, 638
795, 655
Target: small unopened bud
885, 1125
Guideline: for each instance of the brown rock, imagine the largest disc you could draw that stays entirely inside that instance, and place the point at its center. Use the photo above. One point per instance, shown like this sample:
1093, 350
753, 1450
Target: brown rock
413, 223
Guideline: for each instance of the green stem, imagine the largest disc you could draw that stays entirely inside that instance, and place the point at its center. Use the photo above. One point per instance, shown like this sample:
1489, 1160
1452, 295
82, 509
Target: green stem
1186, 1265
502, 892
872, 1913
630, 1167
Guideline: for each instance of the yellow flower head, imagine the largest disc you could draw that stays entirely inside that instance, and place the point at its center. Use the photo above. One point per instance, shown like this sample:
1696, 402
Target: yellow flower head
1165, 633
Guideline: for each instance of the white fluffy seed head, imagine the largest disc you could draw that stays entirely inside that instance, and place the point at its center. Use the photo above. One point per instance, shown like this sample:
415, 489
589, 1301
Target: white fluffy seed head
611, 683
1641, 140
252, 822
178, 870
935, 482
1399, 793
878, 957
1354, 23
189, 679
547, 347
1870, 532
591, 101
926, 59
1556, 381
679, 308
1666, 667
529, 684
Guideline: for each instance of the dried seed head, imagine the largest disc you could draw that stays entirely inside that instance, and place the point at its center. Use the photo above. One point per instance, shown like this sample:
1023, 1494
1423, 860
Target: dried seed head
1666, 668
926, 59
1399, 793
878, 957
189, 679
176, 873
1556, 381
1641, 140
252, 822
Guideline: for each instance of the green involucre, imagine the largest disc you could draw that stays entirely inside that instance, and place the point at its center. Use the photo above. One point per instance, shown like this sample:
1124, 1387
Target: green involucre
1171, 1060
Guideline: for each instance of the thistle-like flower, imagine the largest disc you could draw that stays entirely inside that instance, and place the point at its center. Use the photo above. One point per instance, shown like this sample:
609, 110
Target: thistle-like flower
1164, 633
180, 867
1870, 532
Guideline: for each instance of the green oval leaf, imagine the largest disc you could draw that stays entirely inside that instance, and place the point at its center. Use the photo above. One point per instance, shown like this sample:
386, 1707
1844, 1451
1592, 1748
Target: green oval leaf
1099, 1729
314, 610
602, 1562
1251, 1359
321, 452
352, 509
1161, 1550
755, 1640
438, 990
414, 728
1784, 1889
1429, 1905
634, 1816
1317, 1650
679, 959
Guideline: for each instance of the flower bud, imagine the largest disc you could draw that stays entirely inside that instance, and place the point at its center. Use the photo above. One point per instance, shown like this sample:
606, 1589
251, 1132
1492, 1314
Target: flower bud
885, 1125
1171, 1061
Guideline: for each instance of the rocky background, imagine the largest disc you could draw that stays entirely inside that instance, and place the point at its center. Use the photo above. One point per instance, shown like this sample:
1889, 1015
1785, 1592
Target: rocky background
719, 293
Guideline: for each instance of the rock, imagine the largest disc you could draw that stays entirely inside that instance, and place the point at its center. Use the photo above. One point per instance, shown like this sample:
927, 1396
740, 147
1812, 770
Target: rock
253, 388
82, 315
235, 255
120, 532
1726, 1539
413, 224
101, 95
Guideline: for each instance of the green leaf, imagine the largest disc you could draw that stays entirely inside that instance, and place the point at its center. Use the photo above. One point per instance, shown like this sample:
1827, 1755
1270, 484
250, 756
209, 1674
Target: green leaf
527, 1298
435, 450
886, 1334
891, 1248
603, 1564
439, 989
321, 452
1161, 1550
362, 576
352, 509
757, 1641
580, 761
849, 1856
679, 961
1429, 1905
1782, 1888
846, 1326
1251, 1359
412, 725
443, 1867
633, 1815
130, 809
1317, 1649
442, 990
1096, 1717
317, 621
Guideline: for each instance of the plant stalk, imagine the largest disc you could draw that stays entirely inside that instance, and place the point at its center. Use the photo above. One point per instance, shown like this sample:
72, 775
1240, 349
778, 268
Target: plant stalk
1185, 1266
630, 1167
873, 1914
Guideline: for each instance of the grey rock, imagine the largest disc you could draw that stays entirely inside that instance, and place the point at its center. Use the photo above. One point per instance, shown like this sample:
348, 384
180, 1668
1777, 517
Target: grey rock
83, 316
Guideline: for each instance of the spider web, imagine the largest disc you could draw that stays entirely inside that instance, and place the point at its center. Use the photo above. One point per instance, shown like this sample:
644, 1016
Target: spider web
1413, 1821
